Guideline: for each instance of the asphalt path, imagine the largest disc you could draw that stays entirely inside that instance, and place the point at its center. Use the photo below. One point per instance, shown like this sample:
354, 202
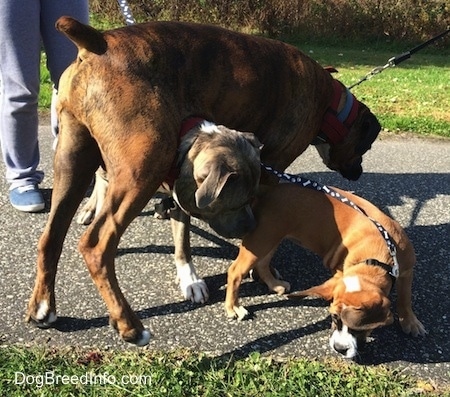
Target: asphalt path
407, 177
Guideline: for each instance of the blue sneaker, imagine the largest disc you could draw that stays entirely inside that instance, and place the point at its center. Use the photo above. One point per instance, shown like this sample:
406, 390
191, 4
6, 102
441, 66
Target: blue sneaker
27, 198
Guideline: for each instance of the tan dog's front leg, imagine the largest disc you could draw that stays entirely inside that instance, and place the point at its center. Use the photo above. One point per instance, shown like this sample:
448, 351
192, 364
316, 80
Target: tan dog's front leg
192, 287
408, 320
236, 272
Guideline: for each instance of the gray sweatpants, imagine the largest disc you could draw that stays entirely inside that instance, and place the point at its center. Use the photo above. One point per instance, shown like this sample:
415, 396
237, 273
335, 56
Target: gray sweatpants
24, 26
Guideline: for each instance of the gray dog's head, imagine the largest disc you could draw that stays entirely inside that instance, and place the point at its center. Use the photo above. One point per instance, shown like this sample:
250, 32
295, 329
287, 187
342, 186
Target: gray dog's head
219, 176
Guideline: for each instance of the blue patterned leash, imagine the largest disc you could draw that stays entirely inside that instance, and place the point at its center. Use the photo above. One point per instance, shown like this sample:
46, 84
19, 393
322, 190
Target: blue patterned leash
310, 184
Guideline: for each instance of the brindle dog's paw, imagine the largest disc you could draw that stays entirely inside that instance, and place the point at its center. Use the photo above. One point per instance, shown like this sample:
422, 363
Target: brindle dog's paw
143, 339
42, 316
137, 335
280, 287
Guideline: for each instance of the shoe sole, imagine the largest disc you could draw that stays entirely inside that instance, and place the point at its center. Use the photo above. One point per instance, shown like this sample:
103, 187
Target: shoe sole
30, 208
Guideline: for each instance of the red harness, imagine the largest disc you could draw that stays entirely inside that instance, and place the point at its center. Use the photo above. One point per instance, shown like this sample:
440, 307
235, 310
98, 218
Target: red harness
187, 125
336, 125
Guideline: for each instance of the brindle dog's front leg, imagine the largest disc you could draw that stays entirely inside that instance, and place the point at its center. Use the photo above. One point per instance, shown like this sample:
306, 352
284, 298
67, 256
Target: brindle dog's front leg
192, 287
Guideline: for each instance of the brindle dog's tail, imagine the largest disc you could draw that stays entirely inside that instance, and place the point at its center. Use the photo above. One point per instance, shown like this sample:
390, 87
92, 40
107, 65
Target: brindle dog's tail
83, 36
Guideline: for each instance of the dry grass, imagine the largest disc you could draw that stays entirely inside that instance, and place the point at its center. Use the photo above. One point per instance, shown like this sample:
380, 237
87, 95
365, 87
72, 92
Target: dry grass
362, 19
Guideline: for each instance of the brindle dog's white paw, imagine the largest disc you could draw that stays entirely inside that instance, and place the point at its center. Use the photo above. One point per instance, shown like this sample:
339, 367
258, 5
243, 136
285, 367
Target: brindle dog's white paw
144, 338
44, 317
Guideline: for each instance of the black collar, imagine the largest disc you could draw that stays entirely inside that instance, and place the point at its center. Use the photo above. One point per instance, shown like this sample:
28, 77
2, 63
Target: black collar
384, 266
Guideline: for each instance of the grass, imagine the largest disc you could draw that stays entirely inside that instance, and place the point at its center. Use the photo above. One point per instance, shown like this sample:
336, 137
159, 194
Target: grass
71, 372
411, 97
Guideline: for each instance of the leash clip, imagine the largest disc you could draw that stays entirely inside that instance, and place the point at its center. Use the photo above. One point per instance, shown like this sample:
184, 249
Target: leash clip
395, 272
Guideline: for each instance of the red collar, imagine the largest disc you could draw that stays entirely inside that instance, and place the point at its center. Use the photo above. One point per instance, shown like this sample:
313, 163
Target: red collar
187, 125
336, 125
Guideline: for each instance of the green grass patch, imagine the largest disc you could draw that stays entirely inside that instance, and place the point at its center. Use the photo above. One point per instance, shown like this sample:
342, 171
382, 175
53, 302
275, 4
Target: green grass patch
46, 87
72, 372
411, 97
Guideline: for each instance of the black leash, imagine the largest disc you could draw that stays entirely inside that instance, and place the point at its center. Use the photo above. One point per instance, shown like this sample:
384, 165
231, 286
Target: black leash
398, 59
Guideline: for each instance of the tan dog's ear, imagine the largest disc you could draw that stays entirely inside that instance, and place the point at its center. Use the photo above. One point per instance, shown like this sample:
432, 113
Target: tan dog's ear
324, 291
211, 187
374, 312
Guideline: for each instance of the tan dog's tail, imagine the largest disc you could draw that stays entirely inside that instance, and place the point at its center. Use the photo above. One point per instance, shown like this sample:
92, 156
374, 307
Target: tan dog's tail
324, 291
84, 36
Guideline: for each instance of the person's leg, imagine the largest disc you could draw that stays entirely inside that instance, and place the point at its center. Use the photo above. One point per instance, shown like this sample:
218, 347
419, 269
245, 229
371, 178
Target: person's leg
19, 75
61, 52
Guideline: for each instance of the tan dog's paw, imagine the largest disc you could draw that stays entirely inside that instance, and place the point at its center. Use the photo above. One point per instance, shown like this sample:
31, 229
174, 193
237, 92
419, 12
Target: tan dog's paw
238, 312
280, 287
412, 326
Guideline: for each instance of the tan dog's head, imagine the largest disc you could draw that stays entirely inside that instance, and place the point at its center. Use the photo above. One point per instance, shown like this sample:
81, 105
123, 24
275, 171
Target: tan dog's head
219, 176
355, 311
346, 157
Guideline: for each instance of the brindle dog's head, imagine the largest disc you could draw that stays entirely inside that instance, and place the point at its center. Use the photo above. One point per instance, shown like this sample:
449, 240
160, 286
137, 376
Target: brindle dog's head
346, 157
219, 176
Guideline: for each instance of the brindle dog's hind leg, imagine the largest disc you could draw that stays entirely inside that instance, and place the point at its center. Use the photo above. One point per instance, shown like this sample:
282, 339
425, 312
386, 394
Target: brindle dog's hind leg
76, 159
132, 182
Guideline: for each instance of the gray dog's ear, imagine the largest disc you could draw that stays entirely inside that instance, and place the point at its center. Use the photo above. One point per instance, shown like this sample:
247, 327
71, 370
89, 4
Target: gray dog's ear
253, 140
211, 187
249, 136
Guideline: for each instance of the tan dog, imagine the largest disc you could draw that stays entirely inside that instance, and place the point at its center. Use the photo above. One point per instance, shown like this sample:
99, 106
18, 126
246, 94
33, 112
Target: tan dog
121, 104
350, 245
